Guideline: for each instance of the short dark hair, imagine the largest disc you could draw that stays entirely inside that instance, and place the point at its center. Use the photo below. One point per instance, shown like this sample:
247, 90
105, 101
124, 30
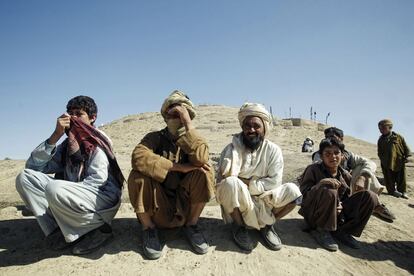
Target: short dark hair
85, 103
333, 131
330, 142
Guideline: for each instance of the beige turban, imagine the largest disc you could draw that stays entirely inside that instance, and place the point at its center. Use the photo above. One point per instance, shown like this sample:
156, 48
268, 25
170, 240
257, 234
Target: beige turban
256, 110
385, 122
178, 97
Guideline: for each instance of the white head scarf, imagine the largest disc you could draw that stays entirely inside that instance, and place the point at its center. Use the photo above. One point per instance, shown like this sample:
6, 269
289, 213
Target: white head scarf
256, 110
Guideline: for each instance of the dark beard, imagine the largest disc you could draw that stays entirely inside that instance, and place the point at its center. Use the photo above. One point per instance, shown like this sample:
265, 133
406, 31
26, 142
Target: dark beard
252, 143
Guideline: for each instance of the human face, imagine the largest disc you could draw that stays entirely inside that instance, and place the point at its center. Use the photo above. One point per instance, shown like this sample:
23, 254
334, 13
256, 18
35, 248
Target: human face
253, 132
332, 157
81, 114
385, 130
172, 114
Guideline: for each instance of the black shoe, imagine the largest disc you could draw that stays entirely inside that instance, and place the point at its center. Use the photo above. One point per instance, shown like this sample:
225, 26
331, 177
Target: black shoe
347, 239
241, 237
404, 195
325, 239
382, 212
92, 240
56, 241
196, 239
270, 236
397, 194
151, 244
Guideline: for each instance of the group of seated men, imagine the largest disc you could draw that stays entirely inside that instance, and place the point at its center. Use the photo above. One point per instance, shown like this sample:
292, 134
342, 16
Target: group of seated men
172, 180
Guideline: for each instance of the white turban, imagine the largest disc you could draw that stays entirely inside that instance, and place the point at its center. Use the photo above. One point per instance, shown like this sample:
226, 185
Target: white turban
255, 110
178, 97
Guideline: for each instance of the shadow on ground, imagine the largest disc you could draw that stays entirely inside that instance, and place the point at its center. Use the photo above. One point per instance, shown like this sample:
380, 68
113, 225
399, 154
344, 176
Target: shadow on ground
22, 242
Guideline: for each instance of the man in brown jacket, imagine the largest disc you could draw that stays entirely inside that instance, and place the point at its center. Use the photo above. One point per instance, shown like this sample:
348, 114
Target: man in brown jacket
171, 180
393, 153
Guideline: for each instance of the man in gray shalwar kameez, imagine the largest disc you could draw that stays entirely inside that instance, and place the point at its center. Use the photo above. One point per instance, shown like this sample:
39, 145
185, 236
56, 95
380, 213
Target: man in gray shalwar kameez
76, 206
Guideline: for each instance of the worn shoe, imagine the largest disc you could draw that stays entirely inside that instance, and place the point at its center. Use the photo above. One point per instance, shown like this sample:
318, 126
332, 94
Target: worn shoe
404, 195
383, 212
56, 241
93, 240
151, 244
196, 239
241, 237
347, 239
270, 236
324, 238
397, 194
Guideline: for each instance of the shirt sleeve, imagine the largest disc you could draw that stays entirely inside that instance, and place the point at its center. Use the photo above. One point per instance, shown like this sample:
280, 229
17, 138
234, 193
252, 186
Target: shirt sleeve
149, 163
407, 151
225, 162
380, 149
46, 158
308, 179
195, 146
367, 166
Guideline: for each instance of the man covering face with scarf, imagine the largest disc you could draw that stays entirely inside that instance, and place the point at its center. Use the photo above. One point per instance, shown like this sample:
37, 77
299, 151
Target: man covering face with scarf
249, 186
75, 208
171, 179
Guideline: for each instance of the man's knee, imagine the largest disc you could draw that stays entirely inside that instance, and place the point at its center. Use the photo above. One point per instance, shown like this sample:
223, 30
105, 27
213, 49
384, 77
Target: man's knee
199, 176
54, 192
230, 184
136, 180
293, 189
138, 183
327, 193
231, 188
24, 180
323, 195
140, 190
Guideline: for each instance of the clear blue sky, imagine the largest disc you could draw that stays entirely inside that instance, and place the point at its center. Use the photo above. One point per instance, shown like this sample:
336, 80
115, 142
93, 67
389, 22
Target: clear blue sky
354, 59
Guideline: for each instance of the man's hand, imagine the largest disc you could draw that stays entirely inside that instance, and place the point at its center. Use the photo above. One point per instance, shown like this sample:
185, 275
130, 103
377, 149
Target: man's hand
62, 123
187, 167
184, 116
360, 183
267, 197
330, 182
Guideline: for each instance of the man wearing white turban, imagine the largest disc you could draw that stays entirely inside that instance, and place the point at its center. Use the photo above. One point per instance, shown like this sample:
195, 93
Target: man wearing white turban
171, 180
249, 184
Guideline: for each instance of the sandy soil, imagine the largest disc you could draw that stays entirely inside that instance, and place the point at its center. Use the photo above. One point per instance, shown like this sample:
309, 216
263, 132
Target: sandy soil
388, 248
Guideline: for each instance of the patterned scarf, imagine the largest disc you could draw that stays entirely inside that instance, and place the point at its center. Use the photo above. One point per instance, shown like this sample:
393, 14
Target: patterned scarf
81, 144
